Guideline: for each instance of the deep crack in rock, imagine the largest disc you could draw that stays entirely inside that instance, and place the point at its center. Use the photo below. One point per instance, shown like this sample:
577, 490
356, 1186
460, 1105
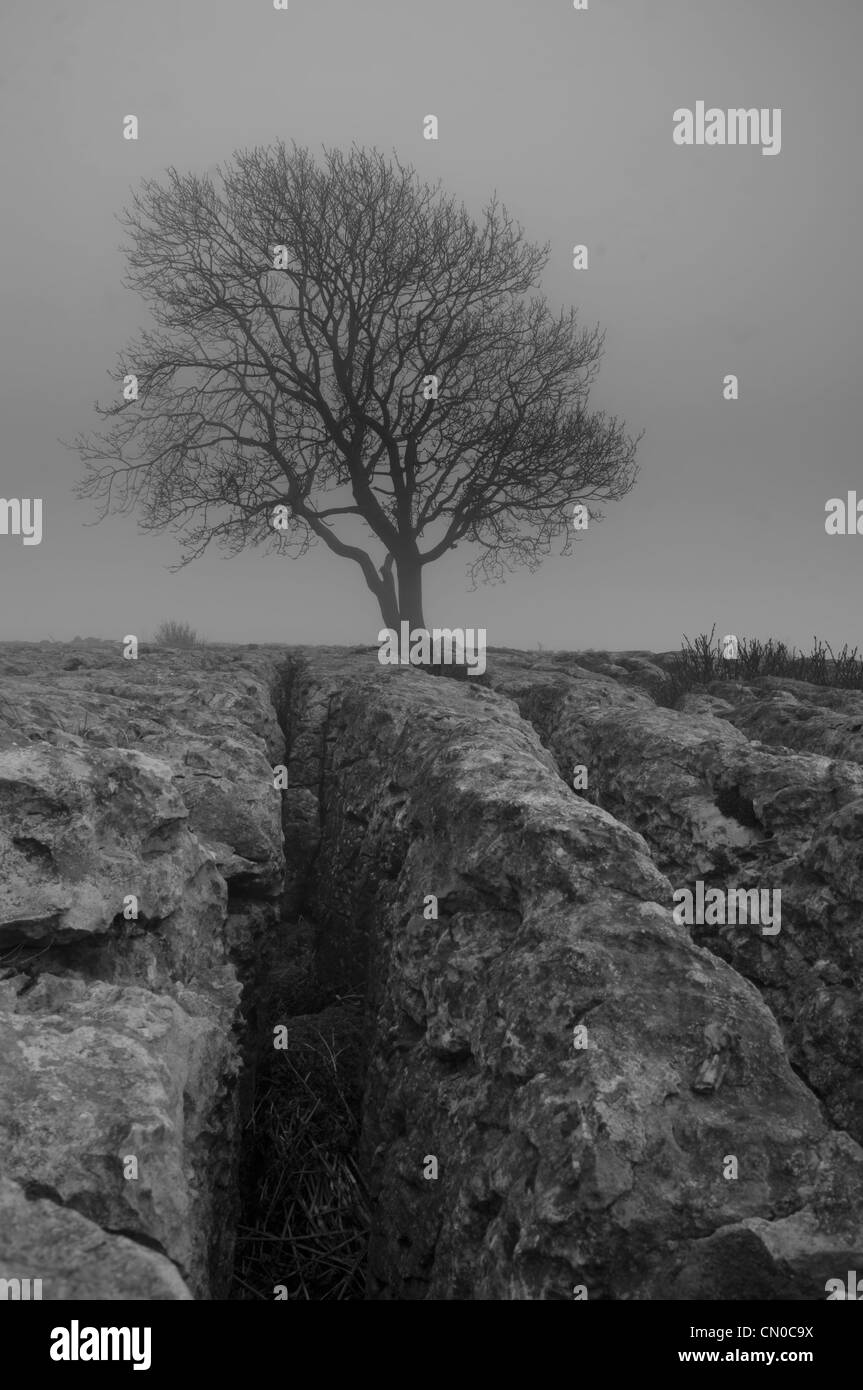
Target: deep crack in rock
506, 1070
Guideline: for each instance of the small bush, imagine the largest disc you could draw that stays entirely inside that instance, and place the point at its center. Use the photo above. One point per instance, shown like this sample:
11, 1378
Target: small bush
701, 662
171, 634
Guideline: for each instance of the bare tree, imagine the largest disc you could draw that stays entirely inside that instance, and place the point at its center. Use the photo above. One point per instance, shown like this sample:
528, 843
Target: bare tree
309, 387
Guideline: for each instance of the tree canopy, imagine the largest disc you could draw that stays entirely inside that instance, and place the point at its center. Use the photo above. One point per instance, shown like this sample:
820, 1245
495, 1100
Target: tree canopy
346, 343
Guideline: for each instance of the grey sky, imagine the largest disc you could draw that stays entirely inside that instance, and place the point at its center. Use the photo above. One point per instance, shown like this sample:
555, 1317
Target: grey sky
703, 261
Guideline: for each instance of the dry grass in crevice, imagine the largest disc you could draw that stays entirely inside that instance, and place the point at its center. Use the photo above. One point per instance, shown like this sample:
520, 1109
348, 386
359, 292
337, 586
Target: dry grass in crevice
306, 1213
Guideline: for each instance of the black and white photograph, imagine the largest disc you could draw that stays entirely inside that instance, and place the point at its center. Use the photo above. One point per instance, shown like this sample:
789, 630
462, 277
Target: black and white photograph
431, 668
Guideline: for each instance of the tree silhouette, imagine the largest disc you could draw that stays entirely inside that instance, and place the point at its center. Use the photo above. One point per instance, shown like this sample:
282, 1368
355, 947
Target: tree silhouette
311, 387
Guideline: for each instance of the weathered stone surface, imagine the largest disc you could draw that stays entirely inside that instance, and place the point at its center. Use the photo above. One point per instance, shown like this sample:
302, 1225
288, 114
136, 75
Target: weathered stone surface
557, 1166
212, 720
804, 717
81, 829
716, 808
74, 1257
93, 1074
121, 1036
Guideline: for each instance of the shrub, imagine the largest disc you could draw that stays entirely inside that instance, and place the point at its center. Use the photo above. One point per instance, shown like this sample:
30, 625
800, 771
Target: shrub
171, 634
701, 662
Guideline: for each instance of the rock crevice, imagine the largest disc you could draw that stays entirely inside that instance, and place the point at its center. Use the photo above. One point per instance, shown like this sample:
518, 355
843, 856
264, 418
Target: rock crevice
504, 1065
599, 1166
135, 885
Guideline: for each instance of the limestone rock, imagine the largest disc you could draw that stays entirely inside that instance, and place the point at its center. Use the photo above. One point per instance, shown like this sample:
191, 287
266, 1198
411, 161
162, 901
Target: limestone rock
714, 807
557, 1165
82, 829
93, 1075
74, 1258
576, 1063
121, 1032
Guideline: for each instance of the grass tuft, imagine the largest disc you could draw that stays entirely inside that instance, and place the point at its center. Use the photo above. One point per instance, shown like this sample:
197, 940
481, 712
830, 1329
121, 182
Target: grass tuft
701, 662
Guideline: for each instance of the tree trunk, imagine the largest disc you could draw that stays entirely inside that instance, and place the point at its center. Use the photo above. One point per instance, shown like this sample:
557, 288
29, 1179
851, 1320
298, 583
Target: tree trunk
410, 575
384, 591
389, 611
385, 595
